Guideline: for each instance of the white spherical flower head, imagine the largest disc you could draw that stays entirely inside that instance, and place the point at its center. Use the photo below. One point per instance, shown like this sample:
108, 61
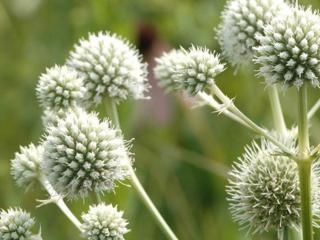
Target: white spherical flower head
83, 154
59, 88
15, 224
104, 222
242, 21
166, 69
197, 69
111, 67
25, 167
264, 192
289, 51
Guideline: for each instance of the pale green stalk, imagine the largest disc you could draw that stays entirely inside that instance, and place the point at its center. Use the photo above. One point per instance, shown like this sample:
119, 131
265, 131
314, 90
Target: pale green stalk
230, 106
304, 165
138, 186
58, 200
276, 109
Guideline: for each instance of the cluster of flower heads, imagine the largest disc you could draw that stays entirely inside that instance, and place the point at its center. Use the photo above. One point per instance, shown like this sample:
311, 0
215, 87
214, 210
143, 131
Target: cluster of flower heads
83, 154
289, 51
192, 70
16, 224
101, 66
79, 153
104, 222
110, 66
242, 22
264, 192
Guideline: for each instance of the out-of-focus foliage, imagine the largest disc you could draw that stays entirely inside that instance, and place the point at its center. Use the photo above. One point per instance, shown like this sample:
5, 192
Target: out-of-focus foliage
182, 154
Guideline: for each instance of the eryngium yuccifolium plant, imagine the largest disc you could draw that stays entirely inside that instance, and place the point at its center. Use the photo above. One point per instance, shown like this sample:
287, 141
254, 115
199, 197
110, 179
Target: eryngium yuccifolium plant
60, 87
15, 224
25, 167
198, 69
111, 67
264, 192
83, 154
289, 51
193, 70
104, 222
242, 22
165, 69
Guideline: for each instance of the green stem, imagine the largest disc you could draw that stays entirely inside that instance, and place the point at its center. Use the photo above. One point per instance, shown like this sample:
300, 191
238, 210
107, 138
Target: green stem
305, 192
277, 114
283, 233
304, 165
138, 186
151, 207
58, 200
249, 123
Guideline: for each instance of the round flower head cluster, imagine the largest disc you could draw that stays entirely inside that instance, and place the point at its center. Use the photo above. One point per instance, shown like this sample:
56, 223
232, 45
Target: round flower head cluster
242, 22
166, 69
25, 167
289, 52
264, 192
110, 67
198, 69
60, 88
104, 222
15, 224
82, 154
193, 69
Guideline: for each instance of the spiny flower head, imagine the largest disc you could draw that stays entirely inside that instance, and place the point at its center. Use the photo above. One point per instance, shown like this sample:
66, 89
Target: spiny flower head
264, 192
166, 69
104, 222
15, 224
60, 87
242, 22
289, 52
25, 167
192, 70
83, 154
198, 69
111, 67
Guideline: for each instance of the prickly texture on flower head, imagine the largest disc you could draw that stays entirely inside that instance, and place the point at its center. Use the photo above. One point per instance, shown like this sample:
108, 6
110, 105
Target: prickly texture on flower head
51, 117
25, 167
242, 22
289, 53
111, 67
166, 69
15, 224
264, 192
104, 222
198, 69
83, 154
60, 87
195, 69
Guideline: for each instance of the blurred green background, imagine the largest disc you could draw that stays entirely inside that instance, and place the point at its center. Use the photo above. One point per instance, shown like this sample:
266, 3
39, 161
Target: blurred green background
182, 154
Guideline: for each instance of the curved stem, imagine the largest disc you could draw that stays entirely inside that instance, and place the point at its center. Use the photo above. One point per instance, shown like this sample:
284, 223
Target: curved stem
304, 165
209, 100
250, 124
277, 114
112, 109
151, 207
58, 200
314, 109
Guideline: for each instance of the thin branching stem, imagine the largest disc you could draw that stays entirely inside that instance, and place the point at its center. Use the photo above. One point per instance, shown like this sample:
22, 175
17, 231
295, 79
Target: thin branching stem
230, 106
278, 118
58, 200
138, 186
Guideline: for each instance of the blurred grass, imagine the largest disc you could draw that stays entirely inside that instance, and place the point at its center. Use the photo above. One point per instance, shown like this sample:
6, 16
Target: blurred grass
173, 144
